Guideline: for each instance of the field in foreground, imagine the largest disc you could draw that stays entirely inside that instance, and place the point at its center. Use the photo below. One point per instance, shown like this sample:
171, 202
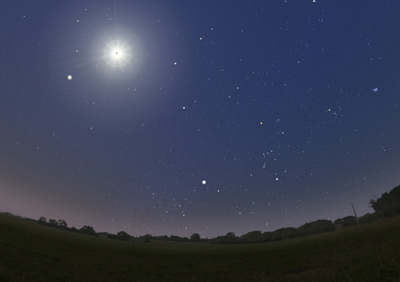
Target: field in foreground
32, 252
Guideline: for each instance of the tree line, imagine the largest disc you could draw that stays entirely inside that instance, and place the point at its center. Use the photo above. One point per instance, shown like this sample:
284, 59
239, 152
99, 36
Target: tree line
385, 206
86, 229
388, 204
62, 224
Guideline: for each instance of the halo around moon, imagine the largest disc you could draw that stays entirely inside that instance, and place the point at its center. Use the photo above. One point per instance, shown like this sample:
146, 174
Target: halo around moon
117, 54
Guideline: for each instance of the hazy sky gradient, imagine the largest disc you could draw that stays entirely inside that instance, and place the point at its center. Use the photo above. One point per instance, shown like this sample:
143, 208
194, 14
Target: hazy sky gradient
271, 103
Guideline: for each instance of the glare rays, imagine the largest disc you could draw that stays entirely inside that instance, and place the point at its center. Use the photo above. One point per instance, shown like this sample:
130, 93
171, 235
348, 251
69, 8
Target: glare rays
117, 54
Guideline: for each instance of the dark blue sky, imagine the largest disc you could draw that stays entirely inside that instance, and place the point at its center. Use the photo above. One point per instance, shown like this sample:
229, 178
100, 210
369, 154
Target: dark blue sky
222, 116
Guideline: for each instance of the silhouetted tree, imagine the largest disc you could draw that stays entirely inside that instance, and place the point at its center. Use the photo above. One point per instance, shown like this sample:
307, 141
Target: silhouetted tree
388, 204
229, 238
147, 238
52, 222
185, 239
349, 221
252, 237
284, 233
88, 230
163, 238
111, 236
175, 238
42, 220
123, 236
395, 193
120, 236
195, 237
346, 221
62, 224
315, 227
367, 218
385, 206
267, 237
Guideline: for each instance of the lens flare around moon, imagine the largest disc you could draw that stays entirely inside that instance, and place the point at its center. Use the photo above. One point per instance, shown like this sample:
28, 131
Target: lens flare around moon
117, 54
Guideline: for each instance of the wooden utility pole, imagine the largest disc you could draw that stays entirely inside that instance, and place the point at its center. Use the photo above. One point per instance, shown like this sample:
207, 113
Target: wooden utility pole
355, 214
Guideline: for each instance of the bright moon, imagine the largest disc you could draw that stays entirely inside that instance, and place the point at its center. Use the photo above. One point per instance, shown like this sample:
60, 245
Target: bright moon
117, 54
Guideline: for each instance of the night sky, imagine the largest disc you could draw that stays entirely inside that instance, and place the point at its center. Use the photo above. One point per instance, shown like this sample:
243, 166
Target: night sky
182, 117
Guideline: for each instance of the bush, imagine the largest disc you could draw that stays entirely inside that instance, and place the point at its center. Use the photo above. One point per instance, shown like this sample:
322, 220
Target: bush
88, 230
367, 218
146, 238
315, 227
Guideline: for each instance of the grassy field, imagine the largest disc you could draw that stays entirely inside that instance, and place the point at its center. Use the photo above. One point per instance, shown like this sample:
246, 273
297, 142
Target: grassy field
32, 252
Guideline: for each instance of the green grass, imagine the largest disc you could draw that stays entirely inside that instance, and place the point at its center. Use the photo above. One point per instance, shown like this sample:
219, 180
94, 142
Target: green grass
32, 252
